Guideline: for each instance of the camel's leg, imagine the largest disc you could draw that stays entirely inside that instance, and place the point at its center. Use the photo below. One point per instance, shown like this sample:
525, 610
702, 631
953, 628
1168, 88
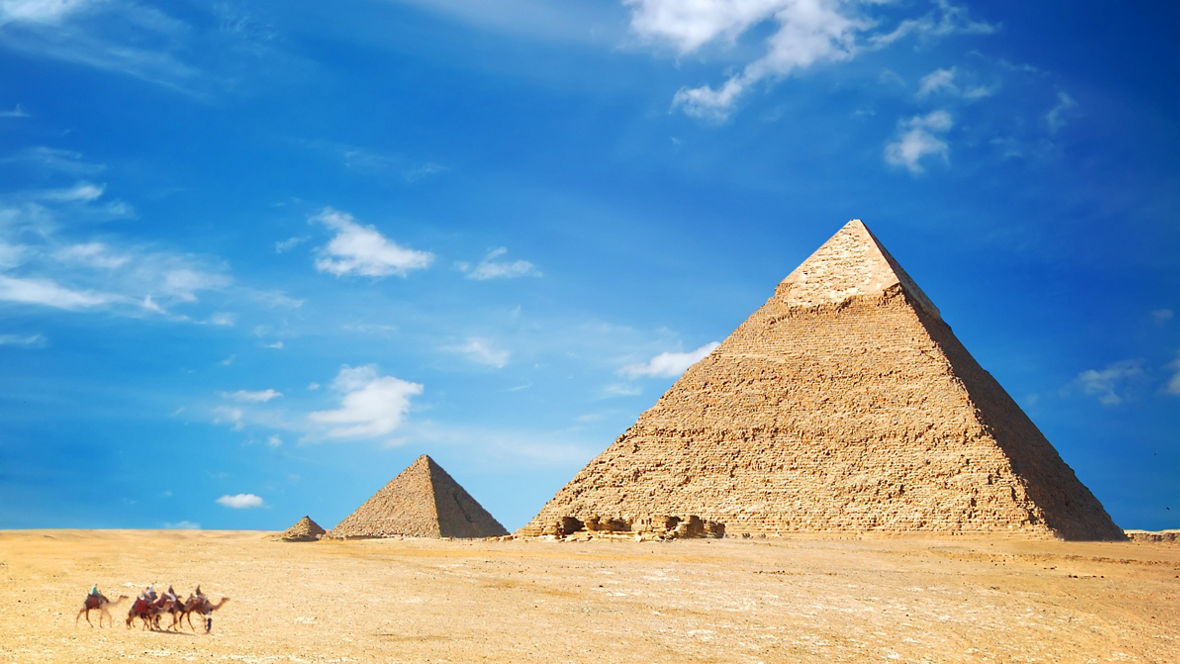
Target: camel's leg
102, 611
87, 612
190, 620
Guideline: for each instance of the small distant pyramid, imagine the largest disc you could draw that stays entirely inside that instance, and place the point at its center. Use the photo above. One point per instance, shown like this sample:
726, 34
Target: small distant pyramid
844, 404
422, 501
304, 530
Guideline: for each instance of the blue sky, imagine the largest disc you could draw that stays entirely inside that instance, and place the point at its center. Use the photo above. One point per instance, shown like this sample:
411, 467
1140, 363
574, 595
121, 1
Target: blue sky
255, 259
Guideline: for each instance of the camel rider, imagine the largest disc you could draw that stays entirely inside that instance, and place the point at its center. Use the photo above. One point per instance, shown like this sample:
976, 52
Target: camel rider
94, 590
171, 594
198, 593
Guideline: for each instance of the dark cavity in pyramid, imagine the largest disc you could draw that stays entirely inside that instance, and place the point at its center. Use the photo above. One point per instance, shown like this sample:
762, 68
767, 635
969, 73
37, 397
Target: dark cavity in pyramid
422, 501
844, 404
304, 530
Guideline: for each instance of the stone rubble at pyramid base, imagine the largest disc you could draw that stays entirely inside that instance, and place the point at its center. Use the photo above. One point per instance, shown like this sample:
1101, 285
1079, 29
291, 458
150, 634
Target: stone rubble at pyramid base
659, 527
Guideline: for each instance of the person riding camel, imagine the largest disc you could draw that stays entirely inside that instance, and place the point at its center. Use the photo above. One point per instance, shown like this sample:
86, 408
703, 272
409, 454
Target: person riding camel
149, 593
171, 595
94, 590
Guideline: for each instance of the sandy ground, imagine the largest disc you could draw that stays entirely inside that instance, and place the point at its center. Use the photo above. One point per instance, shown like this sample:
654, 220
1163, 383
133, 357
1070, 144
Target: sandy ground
790, 600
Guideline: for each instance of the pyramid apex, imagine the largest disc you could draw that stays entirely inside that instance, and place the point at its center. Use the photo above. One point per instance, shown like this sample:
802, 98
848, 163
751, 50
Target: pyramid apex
851, 263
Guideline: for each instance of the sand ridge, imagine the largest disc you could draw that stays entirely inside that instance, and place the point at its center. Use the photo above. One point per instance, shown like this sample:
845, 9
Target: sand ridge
795, 599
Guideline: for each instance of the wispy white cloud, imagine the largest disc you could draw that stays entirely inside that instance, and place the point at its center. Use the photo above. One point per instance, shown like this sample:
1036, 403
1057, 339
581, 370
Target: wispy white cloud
1060, 112
83, 191
919, 138
944, 20
94, 254
15, 112
807, 32
669, 364
290, 243
123, 37
55, 265
804, 33
949, 82
1110, 383
41, 11
622, 390
491, 268
240, 501
11, 255
259, 396
481, 351
274, 441
231, 415
25, 340
371, 405
54, 160
47, 293
939, 79
362, 250
375, 162
1161, 316
223, 319
1173, 385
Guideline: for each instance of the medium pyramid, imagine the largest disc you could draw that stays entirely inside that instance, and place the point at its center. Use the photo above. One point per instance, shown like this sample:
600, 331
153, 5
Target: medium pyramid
422, 501
304, 530
844, 404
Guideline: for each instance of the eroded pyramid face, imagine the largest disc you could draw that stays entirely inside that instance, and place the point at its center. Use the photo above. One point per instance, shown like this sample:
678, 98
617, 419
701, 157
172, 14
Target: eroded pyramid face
422, 501
844, 404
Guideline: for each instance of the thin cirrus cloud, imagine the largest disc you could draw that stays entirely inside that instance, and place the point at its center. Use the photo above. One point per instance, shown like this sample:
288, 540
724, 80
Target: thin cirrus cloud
1061, 111
53, 267
45, 292
23, 340
240, 501
804, 33
491, 267
362, 250
371, 405
920, 137
948, 82
1173, 385
247, 396
122, 37
669, 364
481, 351
1112, 383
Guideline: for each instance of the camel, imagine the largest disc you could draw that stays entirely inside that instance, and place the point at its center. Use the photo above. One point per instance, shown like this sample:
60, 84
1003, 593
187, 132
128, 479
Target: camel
148, 611
101, 603
201, 604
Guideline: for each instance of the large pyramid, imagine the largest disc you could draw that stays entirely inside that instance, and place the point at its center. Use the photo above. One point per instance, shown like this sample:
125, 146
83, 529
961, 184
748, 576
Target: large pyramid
844, 404
422, 501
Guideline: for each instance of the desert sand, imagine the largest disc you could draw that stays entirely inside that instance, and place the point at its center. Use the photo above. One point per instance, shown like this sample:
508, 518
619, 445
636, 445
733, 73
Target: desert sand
795, 599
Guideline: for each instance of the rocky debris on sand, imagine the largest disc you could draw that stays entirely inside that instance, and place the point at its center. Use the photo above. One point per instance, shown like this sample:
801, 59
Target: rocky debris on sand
1169, 536
664, 527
